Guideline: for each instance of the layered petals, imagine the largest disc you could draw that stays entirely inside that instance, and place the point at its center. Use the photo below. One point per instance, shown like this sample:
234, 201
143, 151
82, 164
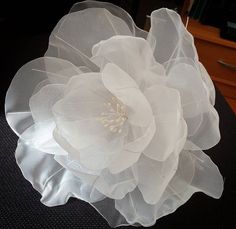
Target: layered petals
126, 90
116, 117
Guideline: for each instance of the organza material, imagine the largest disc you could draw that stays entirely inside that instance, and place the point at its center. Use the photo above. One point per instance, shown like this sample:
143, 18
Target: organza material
116, 116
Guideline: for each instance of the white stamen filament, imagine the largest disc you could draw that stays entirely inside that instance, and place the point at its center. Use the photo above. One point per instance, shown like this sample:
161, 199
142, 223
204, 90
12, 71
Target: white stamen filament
115, 116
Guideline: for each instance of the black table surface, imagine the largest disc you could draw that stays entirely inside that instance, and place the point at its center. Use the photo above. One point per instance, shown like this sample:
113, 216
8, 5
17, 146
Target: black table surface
20, 205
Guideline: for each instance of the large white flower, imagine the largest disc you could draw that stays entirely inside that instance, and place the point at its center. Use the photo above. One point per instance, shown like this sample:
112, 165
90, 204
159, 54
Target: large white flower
116, 117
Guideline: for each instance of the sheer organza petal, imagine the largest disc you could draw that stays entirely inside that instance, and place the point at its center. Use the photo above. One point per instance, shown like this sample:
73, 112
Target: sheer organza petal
167, 28
84, 98
113, 9
85, 134
182, 186
135, 210
153, 176
200, 116
133, 55
42, 102
209, 84
73, 37
114, 186
50, 179
126, 90
166, 106
207, 177
85, 175
123, 160
139, 144
24, 83
40, 137
100, 155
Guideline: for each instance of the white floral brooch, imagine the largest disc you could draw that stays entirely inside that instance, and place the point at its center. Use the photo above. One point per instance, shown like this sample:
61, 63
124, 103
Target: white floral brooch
116, 116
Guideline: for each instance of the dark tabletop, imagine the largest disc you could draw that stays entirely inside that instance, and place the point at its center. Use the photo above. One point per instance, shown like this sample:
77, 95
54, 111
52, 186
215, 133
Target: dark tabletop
20, 205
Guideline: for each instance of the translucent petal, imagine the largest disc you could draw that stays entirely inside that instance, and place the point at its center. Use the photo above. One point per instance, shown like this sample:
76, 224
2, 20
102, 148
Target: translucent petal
133, 55
201, 118
23, 86
167, 28
166, 106
50, 179
135, 210
140, 143
78, 170
123, 160
115, 186
111, 185
42, 102
153, 176
78, 31
185, 182
126, 90
113, 9
208, 133
84, 98
40, 137
208, 82
111, 214
207, 177
99, 156
82, 134
92, 144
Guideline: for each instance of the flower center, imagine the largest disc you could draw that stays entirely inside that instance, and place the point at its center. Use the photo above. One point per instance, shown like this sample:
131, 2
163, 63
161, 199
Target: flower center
115, 115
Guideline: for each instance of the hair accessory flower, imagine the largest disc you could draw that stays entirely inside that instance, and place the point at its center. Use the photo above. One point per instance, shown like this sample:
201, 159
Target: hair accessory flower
116, 116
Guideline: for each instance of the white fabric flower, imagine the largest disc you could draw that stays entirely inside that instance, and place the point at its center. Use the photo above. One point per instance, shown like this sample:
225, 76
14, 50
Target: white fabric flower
116, 116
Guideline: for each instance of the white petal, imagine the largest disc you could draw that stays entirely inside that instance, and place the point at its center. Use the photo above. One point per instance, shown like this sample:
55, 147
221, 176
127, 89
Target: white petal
50, 179
89, 142
99, 156
115, 186
82, 134
75, 34
123, 160
40, 137
153, 176
135, 210
133, 55
42, 102
173, 41
84, 98
195, 172
208, 133
140, 143
78, 170
113, 9
208, 82
58, 71
166, 106
23, 86
126, 90
207, 177
201, 118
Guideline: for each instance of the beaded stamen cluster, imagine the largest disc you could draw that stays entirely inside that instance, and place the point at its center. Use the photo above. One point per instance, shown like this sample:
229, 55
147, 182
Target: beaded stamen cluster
115, 116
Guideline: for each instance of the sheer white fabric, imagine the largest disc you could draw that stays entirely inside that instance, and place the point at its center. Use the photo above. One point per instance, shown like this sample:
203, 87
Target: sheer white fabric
116, 116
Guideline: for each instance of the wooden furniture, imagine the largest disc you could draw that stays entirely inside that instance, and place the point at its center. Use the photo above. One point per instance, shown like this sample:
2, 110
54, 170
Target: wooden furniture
218, 56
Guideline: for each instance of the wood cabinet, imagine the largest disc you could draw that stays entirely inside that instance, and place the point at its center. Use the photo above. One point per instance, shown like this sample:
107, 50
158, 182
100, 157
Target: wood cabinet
218, 56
